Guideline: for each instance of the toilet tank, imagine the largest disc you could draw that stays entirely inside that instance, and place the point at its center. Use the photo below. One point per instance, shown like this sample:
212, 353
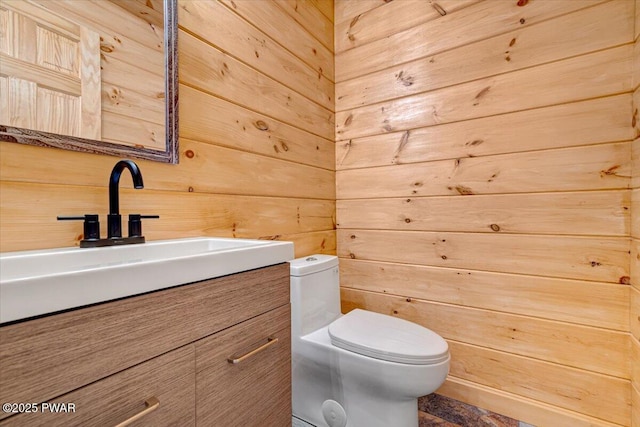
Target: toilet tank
315, 293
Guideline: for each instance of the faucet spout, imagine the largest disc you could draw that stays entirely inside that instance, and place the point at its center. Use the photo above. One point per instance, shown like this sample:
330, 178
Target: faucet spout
114, 220
114, 181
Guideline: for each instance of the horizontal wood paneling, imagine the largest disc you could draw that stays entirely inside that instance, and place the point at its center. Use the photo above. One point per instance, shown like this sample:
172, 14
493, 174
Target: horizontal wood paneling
552, 341
390, 18
598, 304
585, 258
574, 389
528, 410
318, 242
462, 27
204, 168
213, 22
608, 24
268, 16
244, 152
601, 167
483, 179
592, 213
348, 9
327, 7
316, 16
589, 76
574, 124
219, 122
201, 214
215, 72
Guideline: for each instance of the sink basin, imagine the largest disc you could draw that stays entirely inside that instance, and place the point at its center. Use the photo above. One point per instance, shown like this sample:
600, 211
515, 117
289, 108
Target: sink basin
34, 283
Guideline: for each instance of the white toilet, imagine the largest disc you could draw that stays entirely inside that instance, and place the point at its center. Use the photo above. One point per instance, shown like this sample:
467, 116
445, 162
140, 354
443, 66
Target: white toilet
362, 369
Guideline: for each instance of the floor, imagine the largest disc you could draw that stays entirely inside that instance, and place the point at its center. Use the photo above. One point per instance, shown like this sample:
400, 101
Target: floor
436, 410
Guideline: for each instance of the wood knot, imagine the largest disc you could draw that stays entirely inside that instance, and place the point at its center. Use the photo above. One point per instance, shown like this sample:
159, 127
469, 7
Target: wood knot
190, 154
352, 255
348, 120
495, 227
625, 280
611, 171
408, 299
595, 264
406, 80
353, 236
106, 48
483, 92
190, 189
522, 20
443, 257
522, 2
463, 190
261, 125
407, 220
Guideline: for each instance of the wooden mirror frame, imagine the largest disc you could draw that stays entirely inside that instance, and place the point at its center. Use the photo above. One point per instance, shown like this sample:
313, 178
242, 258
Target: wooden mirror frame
169, 155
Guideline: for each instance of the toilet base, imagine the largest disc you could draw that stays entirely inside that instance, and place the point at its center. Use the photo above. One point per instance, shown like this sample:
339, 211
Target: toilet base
403, 414
297, 422
322, 372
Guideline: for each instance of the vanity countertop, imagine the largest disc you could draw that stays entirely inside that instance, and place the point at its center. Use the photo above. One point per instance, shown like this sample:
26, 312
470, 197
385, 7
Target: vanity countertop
33, 283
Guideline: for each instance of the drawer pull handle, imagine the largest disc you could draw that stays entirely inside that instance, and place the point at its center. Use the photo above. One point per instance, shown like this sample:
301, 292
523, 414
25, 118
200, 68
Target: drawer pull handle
151, 404
237, 359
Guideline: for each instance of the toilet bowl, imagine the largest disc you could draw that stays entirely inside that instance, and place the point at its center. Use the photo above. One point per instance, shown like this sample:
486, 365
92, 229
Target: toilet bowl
361, 369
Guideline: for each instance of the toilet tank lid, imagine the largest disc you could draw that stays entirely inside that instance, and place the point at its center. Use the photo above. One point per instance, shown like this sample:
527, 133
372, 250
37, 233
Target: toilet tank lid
312, 264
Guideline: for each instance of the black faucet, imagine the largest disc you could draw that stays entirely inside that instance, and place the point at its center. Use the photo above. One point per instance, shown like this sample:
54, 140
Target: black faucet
114, 219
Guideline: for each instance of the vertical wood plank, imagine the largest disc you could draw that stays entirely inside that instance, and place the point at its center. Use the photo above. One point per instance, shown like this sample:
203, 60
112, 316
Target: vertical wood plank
90, 84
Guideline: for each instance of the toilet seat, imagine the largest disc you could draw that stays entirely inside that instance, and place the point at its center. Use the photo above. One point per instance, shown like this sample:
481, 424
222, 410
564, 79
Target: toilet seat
387, 338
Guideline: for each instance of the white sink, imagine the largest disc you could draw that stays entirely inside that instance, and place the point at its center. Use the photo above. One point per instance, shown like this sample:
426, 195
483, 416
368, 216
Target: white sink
33, 283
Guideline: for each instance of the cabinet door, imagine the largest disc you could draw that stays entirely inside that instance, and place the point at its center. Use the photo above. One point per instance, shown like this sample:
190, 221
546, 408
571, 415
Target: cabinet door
159, 392
256, 389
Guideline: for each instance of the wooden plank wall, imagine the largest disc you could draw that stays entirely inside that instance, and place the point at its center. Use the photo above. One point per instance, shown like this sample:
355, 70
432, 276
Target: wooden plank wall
483, 155
256, 141
634, 312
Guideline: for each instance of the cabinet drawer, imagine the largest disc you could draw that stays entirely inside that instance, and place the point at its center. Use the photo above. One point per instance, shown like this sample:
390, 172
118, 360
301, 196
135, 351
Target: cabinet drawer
108, 402
255, 391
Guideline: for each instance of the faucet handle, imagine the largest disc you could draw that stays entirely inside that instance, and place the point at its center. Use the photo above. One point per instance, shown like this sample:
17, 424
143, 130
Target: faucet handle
91, 225
135, 223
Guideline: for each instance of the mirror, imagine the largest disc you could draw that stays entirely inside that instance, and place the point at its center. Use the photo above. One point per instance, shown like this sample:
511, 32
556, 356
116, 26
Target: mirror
91, 75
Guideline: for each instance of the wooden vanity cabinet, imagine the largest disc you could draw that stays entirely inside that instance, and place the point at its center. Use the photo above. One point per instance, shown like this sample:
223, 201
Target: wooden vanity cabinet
171, 345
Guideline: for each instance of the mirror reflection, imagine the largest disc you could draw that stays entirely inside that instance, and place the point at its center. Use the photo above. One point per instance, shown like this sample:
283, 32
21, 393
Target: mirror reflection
90, 75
